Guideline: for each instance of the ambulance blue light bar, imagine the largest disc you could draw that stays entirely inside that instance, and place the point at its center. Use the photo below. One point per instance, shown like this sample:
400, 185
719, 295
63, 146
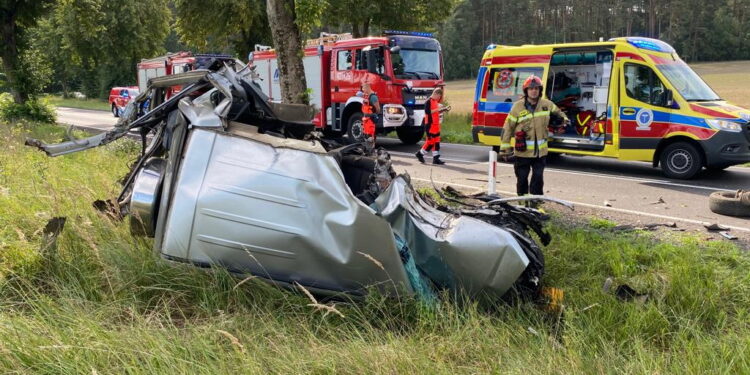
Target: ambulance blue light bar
410, 33
650, 44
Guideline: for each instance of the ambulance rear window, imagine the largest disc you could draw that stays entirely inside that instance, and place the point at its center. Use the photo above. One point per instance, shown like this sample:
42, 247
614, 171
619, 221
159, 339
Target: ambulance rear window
506, 84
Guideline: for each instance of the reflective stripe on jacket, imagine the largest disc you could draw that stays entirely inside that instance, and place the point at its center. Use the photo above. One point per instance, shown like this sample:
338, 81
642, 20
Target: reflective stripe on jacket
534, 123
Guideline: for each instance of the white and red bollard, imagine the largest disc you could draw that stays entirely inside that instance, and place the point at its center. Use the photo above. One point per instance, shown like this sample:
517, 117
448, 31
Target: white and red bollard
492, 173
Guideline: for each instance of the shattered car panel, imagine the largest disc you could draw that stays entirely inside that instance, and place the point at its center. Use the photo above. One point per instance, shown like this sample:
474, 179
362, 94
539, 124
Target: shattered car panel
227, 178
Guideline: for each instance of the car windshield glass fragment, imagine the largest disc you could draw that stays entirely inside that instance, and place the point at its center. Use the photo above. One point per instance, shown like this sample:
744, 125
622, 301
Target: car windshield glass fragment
416, 64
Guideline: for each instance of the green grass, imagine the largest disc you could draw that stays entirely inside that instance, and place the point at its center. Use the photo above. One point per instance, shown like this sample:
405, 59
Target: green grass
97, 104
456, 128
100, 301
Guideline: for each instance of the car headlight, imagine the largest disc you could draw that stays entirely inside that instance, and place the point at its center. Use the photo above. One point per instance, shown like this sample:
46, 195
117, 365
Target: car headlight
725, 125
394, 110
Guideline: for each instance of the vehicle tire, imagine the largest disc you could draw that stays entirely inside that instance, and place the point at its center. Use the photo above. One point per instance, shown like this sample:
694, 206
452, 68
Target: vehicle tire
730, 203
681, 160
355, 128
410, 135
115, 111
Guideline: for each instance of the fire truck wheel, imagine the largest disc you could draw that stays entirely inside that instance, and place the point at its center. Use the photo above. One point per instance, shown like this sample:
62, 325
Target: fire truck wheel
410, 136
681, 160
355, 129
115, 112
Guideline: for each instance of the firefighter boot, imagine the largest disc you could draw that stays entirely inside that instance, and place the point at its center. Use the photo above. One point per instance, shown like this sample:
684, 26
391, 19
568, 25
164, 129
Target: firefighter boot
419, 156
436, 160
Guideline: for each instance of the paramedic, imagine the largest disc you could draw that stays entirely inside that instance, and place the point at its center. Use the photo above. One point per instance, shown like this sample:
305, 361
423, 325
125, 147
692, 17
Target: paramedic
528, 123
432, 111
370, 110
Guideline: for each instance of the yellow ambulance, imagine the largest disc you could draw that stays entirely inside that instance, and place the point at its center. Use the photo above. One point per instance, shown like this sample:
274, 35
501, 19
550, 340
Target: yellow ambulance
628, 98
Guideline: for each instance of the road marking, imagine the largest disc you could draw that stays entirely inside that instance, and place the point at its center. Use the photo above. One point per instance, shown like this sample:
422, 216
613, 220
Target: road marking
594, 174
621, 210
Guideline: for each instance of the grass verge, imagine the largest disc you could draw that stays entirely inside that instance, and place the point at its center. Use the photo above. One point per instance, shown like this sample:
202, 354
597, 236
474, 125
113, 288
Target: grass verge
100, 302
96, 104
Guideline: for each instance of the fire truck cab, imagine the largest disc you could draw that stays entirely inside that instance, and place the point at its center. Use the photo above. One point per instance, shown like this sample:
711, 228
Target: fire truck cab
401, 67
628, 98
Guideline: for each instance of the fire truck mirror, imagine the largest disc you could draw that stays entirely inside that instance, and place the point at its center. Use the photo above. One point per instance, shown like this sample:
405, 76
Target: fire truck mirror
396, 49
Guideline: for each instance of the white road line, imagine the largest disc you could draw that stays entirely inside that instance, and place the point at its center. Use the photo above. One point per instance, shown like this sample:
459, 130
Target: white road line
630, 179
621, 210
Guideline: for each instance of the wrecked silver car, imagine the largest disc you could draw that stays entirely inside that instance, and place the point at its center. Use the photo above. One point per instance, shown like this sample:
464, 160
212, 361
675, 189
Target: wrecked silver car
227, 178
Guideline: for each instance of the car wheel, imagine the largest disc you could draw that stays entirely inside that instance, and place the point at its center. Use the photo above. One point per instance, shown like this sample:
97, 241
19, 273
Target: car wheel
115, 111
681, 160
730, 203
410, 135
355, 129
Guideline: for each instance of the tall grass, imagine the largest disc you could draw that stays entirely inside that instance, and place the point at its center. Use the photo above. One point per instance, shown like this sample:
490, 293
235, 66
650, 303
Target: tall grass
100, 301
456, 128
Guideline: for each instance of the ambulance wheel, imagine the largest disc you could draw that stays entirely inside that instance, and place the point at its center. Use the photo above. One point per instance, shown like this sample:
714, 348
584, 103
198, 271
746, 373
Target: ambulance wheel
681, 160
410, 136
115, 112
355, 129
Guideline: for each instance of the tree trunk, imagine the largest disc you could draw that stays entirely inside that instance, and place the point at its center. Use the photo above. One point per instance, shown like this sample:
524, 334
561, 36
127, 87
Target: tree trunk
286, 39
9, 55
366, 28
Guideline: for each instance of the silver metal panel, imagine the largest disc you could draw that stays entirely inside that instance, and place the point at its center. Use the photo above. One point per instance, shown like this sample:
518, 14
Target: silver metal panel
145, 199
455, 252
277, 212
313, 78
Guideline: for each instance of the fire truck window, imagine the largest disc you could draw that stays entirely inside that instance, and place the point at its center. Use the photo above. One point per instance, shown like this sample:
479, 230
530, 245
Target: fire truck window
642, 84
361, 60
344, 60
506, 84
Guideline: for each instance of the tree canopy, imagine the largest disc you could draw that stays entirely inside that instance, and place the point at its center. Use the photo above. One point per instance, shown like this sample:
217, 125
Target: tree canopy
90, 45
699, 30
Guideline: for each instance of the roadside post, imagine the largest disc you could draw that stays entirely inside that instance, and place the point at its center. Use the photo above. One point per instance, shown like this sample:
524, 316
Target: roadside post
491, 172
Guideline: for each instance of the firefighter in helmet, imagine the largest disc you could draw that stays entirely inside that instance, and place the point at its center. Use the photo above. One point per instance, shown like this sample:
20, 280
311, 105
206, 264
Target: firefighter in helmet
432, 110
528, 123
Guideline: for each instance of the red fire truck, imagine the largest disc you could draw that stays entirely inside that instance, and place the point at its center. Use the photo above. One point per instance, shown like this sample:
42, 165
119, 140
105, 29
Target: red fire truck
402, 68
173, 63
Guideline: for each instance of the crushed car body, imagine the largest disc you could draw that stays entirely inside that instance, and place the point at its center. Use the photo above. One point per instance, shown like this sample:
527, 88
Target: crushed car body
227, 178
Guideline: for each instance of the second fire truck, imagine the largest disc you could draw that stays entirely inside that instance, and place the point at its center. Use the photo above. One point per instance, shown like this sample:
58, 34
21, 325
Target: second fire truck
402, 68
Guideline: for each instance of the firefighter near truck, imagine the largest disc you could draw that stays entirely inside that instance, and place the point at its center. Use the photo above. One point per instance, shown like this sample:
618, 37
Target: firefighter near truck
629, 98
402, 68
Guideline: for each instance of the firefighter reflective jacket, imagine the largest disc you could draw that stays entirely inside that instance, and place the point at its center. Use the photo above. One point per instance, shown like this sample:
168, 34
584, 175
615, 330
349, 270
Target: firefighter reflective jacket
533, 123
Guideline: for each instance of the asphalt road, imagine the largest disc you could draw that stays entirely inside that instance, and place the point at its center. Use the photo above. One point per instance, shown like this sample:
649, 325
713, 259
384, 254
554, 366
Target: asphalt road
632, 188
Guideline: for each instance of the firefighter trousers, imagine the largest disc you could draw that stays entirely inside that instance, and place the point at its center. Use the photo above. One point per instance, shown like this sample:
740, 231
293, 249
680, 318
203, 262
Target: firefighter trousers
522, 167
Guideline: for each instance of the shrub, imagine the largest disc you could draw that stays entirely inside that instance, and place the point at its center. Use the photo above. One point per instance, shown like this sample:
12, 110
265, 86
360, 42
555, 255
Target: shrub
34, 110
